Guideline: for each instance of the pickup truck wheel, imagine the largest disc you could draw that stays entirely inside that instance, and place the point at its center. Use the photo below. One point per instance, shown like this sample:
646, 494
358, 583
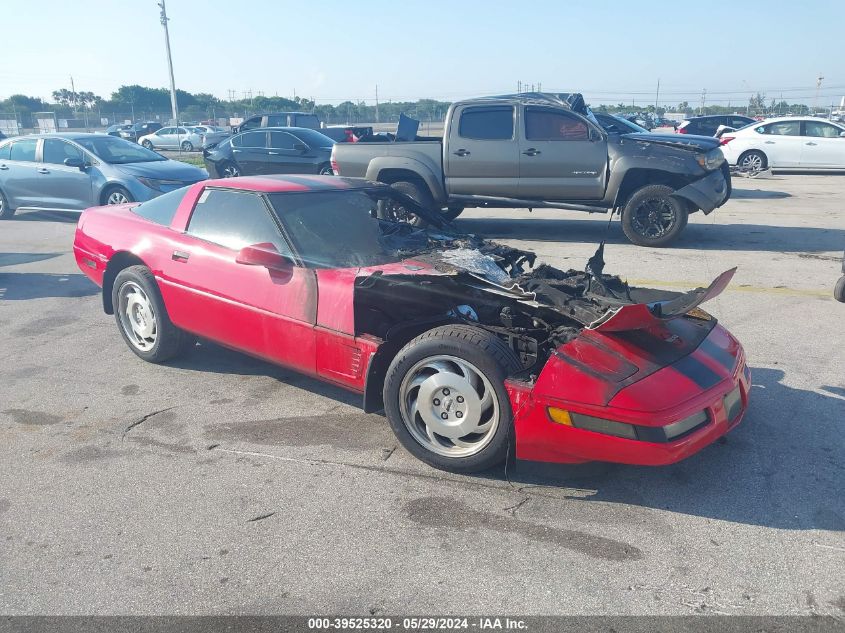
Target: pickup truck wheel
652, 217
451, 213
839, 290
445, 398
398, 213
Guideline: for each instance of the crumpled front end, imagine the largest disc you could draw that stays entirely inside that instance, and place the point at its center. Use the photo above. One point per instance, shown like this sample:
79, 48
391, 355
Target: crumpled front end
710, 192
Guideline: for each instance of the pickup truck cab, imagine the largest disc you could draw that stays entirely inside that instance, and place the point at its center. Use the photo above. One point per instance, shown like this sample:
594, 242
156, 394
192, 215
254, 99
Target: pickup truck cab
547, 150
279, 119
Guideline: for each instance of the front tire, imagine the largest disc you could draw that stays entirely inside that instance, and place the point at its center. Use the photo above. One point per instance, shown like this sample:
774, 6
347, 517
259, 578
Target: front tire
117, 195
187, 146
142, 318
147, 145
326, 170
230, 170
653, 217
445, 398
6, 212
753, 160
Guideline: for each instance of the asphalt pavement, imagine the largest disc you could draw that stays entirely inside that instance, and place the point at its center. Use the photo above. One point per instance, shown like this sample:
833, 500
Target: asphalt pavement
221, 484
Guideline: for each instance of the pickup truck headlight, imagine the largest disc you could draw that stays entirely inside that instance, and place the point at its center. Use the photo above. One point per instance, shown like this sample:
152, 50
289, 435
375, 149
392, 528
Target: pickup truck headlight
157, 184
711, 160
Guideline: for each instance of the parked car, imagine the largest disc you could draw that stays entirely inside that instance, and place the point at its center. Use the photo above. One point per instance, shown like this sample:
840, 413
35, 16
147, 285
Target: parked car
114, 130
617, 124
545, 150
463, 343
709, 125
185, 138
76, 171
789, 143
279, 119
839, 289
280, 150
211, 134
137, 130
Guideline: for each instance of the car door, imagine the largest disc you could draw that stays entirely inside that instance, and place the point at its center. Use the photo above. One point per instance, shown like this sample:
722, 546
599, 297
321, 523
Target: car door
250, 152
287, 156
250, 308
62, 186
822, 147
482, 156
19, 175
781, 142
562, 156
182, 135
162, 138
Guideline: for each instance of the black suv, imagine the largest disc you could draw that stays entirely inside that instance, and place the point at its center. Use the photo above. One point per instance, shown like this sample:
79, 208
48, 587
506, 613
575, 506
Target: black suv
137, 130
707, 125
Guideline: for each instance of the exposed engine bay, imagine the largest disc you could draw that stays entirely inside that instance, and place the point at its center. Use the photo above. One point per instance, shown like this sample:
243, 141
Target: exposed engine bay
462, 278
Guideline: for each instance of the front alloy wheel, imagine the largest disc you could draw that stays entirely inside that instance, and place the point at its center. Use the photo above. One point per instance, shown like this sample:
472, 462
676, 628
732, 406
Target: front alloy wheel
230, 171
137, 316
117, 197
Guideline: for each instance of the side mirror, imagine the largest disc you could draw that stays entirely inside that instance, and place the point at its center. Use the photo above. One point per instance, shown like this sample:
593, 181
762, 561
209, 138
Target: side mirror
300, 147
841, 134
75, 162
266, 255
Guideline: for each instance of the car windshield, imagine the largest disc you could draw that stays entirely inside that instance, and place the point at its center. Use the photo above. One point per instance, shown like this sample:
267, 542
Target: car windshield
340, 229
313, 138
116, 151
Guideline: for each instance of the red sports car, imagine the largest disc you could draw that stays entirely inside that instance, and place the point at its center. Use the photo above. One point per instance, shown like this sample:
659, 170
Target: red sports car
463, 342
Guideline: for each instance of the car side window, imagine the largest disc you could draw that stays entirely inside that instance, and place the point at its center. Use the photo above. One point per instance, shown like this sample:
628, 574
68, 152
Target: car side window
234, 219
250, 139
282, 140
164, 131
820, 129
542, 124
782, 128
182, 131
23, 150
55, 151
492, 123
5, 150
738, 123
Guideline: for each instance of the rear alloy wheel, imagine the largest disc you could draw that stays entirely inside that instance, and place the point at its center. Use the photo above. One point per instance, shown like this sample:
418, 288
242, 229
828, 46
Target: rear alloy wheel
653, 217
230, 170
142, 318
6, 212
445, 398
752, 161
326, 170
118, 195
147, 144
187, 146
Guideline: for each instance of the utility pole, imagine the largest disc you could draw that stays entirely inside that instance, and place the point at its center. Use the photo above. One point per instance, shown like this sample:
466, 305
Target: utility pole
173, 106
657, 95
703, 100
377, 119
72, 95
818, 87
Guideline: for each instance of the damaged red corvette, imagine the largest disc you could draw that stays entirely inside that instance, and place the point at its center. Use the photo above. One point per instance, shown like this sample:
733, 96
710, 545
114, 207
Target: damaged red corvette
466, 345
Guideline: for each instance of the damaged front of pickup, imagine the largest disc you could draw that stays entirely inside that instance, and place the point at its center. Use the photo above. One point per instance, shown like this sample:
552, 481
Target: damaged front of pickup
601, 371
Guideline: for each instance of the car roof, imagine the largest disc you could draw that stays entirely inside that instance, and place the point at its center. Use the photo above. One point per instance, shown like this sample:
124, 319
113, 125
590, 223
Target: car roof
281, 128
798, 118
283, 183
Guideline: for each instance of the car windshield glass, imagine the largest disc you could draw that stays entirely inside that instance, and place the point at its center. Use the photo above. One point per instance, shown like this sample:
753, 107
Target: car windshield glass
116, 151
629, 125
313, 139
340, 229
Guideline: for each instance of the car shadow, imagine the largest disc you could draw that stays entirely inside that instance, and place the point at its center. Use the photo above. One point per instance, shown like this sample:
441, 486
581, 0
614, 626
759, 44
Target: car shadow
15, 259
759, 194
68, 217
782, 467
24, 286
210, 357
701, 233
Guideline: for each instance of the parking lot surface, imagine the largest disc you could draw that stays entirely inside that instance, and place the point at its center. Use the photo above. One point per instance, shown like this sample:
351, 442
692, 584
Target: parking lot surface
221, 484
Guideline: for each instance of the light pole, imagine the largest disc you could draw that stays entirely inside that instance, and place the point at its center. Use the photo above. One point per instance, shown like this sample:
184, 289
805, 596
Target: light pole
173, 105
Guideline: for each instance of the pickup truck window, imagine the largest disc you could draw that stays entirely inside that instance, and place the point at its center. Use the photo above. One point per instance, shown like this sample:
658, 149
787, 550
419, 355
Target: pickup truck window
544, 124
492, 123
277, 121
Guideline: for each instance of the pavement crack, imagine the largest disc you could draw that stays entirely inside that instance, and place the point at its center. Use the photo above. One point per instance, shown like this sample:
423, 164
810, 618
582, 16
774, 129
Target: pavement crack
142, 420
512, 509
260, 517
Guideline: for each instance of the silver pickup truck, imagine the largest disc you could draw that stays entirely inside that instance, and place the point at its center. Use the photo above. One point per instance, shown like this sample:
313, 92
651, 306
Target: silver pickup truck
547, 150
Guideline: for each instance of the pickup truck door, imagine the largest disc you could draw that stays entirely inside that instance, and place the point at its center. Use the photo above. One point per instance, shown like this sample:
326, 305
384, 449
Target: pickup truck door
482, 152
562, 156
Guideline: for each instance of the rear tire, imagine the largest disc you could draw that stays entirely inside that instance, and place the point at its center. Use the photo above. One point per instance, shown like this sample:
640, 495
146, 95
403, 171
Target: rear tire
326, 170
398, 213
6, 212
653, 217
142, 318
451, 213
839, 290
456, 371
754, 160
187, 146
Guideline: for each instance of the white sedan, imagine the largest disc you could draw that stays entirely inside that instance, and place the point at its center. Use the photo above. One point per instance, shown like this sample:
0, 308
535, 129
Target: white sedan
787, 143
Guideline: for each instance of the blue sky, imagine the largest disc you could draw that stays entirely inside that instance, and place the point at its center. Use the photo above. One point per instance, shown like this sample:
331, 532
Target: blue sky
333, 50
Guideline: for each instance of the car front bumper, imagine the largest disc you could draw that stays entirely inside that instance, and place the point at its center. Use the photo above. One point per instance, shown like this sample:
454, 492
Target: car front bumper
709, 192
539, 438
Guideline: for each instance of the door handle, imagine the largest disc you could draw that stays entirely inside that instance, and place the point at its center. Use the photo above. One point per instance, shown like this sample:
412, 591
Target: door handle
770, 142
273, 153
531, 151
180, 256
461, 152
4, 167
43, 170
810, 143
236, 151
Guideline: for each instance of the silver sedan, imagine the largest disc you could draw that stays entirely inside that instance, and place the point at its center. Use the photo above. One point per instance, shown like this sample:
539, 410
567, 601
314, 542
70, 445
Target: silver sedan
185, 138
